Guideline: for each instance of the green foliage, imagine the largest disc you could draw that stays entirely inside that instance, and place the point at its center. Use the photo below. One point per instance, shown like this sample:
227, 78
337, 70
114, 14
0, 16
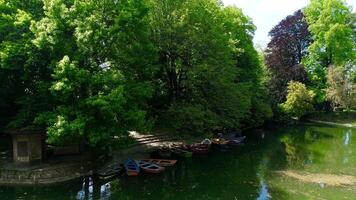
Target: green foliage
299, 100
210, 66
86, 67
93, 70
191, 119
330, 22
19, 77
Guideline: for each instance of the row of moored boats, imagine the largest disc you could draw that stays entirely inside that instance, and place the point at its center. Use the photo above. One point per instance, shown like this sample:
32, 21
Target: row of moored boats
166, 157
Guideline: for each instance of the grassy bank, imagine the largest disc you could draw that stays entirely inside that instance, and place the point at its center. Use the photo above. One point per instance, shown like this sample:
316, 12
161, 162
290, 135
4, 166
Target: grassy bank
341, 118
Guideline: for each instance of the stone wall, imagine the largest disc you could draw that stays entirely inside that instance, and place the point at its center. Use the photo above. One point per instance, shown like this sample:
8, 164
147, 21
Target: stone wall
45, 174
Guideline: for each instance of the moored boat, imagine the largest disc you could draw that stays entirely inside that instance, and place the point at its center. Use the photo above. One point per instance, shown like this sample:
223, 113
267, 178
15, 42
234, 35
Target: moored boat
131, 167
161, 162
110, 171
181, 152
220, 143
150, 167
236, 140
199, 149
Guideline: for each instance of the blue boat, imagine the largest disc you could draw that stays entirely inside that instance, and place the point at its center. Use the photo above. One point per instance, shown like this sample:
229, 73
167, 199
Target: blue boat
132, 168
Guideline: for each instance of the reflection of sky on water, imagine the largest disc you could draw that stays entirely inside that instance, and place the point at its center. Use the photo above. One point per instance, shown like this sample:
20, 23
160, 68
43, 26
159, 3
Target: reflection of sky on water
346, 140
105, 192
263, 189
264, 194
347, 137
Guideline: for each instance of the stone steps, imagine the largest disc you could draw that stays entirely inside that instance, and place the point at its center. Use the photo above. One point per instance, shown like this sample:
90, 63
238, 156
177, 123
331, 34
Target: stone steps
150, 139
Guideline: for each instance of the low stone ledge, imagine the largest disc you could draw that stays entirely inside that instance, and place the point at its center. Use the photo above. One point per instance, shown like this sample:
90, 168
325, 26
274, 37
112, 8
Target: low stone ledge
44, 175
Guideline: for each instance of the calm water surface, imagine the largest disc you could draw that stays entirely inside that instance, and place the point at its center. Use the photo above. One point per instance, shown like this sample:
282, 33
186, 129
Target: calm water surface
254, 171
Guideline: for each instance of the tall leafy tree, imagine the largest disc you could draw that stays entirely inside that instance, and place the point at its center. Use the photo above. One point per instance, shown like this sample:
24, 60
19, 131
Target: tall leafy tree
100, 56
251, 71
290, 40
196, 69
330, 22
207, 64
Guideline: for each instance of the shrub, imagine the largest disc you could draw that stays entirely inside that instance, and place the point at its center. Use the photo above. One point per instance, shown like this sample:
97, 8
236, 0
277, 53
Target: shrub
299, 100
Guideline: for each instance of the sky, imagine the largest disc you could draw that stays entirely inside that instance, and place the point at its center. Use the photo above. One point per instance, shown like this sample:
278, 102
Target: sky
267, 13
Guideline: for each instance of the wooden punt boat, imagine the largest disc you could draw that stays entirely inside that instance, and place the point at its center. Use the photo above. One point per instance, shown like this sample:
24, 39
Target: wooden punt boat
181, 152
199, 149
131, 167
220, 142
150, 167
110, 171
236, 141
161, 162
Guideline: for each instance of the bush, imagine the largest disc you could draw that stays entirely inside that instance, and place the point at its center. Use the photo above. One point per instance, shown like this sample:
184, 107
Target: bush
299, 100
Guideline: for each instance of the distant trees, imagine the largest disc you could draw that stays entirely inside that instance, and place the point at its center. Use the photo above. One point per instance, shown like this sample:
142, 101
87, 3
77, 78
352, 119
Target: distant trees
289, 43
331, 24
306, 44
341, 88
299, 100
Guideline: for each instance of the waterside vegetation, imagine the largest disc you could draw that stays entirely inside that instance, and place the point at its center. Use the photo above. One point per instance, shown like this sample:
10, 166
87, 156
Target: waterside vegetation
86, 70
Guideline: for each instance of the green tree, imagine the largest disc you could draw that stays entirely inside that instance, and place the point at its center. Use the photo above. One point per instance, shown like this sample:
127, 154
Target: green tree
100, 58
252, 73
330, 22
299, 100
207, 65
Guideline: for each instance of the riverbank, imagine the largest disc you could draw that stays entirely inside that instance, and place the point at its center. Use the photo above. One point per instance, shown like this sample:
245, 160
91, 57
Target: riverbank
43, 174
312, 161
344, 119
67, 168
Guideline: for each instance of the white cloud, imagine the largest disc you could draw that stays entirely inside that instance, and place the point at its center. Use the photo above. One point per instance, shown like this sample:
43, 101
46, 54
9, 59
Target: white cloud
267, 13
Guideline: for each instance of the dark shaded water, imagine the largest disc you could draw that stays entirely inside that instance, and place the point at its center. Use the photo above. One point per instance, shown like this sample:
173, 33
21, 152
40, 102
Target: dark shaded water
248, 172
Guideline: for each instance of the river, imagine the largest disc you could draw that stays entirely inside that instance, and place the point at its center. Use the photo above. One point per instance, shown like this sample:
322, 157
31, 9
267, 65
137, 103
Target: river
301, 162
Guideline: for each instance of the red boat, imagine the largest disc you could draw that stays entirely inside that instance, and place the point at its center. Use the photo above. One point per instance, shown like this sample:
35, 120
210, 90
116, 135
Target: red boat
150, 167
161, 162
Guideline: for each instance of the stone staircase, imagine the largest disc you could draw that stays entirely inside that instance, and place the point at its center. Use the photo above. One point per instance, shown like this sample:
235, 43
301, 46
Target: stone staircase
152, 140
